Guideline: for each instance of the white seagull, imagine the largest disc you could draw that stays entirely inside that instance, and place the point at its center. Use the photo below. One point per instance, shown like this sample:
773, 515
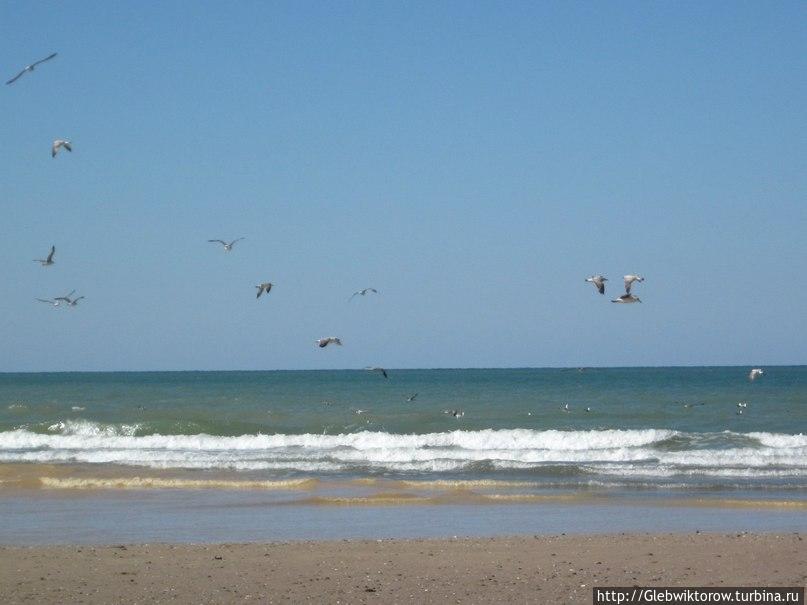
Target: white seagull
599, 282
324, 342
627, 298
227, 246
629, 279
47, 262
382, 371
30, 68
57, 144
755, 373
264, 287
363, 293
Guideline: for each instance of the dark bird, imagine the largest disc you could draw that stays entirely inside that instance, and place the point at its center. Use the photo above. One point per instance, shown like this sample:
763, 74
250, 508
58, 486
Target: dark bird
47, 262
412, 397
363, 293
30, 68
381, 370
324, 342
264, 287
70, 302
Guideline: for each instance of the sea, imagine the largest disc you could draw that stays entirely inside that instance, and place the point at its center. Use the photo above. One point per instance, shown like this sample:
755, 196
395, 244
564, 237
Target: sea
418, 453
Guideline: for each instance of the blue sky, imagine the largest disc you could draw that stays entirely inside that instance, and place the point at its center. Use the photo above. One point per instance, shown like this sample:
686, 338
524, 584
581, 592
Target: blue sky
474, 162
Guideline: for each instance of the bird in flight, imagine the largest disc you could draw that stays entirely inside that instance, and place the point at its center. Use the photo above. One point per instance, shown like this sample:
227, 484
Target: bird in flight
68, 301
363, 293
755, 373
227, 246
30, 68
324, 342
599, 282
629, 279
627, 298
411, 397
264, 287
47, 262
57, 144
376, 369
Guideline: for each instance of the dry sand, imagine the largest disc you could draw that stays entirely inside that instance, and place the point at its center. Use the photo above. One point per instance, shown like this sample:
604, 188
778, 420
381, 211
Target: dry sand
540, 569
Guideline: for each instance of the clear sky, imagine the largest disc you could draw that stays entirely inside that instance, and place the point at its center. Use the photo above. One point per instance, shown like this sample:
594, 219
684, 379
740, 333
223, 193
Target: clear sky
474, 162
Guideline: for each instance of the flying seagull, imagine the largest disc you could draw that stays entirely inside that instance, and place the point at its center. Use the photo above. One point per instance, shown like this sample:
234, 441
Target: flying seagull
599, 282
30, 68
324, 342
629, 279
626, 298
264, 287
57, 144
363, 293
227, 246
70, 302
47, 262
411, 397
381, 370
755, 373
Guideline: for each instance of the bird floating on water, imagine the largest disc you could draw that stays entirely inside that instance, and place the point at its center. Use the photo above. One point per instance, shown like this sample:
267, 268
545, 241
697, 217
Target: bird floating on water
29, 68
58, 144
756, 373
324, 342
742, 404
627, 298
264, 287
382, 371
47, 262
227, 245
363, 293
599, 282
411, 397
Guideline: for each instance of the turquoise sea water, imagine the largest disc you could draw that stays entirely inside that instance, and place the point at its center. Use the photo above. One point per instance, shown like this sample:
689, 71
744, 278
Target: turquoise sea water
466, 424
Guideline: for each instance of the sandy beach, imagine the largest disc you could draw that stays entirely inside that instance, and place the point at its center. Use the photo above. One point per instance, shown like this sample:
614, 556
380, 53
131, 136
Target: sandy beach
493, 570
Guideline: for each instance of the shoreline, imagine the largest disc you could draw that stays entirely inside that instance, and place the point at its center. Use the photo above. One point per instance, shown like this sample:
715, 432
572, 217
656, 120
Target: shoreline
551, 568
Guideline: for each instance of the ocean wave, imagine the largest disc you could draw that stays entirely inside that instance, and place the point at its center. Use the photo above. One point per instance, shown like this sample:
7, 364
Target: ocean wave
645, 452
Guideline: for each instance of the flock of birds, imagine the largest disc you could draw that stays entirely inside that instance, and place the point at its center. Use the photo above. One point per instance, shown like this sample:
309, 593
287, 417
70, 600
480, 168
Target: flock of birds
598, 281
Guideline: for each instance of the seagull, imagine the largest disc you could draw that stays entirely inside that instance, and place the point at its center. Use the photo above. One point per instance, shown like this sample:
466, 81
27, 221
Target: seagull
755, 373
588, 409
54, 302
455, 413
566, 407
692, 405
627, 298
57, 144
70, 302
47, 262
599, 282
382, 370
30, 68
629, 279
264, 287
742, 404
227, 246
411, 397
363, 293
324, 342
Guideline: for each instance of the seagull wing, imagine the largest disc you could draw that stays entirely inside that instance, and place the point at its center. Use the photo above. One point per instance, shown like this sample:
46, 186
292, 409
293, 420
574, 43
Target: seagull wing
52, 252
48, 58
260, 291
217, 241
67, 146
353, 296
600, 284
236, 240
17, 77
78, 299
384, 372
628, 284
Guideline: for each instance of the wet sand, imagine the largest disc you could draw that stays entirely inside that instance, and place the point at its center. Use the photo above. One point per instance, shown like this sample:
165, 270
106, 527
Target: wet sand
539, 569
